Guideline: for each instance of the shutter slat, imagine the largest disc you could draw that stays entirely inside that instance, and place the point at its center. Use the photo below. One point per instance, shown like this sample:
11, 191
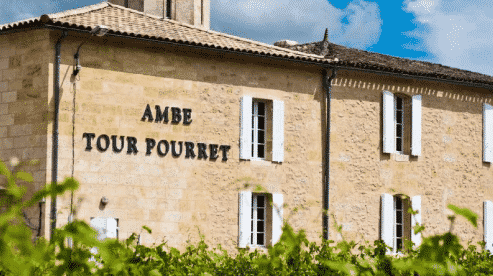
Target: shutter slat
388, 123
416, 126
416, 219
277, 217
487, 133
278, 131
246, 128
245, 216
387, 220
488, 225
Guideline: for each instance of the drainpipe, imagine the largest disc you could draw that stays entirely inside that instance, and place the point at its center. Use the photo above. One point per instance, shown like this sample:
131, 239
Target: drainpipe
54, 151
327, 84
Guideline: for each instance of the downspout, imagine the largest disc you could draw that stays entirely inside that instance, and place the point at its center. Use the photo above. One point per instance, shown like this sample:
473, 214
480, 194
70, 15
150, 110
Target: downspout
327, 84
54, 151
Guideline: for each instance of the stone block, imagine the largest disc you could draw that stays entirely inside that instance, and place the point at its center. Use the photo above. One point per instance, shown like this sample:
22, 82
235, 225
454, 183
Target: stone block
4, 108
6, 120
3, 132
8, 97
4, 62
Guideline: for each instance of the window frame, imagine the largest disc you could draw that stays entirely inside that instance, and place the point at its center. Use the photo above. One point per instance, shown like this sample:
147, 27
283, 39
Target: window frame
402, 111
256, 103
404, 223
255, 220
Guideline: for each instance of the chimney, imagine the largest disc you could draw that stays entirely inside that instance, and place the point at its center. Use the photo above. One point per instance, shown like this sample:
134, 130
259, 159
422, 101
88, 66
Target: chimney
285, 43
193, 12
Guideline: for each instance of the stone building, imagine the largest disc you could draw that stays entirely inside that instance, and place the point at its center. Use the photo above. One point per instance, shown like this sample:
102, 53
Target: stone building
168, 124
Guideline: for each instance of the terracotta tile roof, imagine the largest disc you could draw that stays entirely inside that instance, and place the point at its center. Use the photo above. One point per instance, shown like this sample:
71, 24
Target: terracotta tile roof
128, 22
132, 23
349, 57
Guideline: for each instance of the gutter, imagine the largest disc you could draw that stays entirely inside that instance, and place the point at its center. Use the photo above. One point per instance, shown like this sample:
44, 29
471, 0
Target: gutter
325, 65
327, 84
54, 151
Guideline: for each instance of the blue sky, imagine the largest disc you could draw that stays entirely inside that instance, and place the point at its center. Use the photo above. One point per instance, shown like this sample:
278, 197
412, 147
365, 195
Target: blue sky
455, 33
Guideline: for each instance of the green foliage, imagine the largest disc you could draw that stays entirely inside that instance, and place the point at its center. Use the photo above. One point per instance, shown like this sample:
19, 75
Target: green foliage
292, 255
468, 214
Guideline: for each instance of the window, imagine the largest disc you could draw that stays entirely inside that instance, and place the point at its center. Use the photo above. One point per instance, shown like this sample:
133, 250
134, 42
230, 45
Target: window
402, 222
401, 124
261, 129
397, 223
260, 219
488, 225
168, 9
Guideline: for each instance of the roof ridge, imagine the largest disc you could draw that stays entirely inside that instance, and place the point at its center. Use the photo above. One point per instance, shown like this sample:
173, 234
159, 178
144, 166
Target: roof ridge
77, 11
57, 15
214, 32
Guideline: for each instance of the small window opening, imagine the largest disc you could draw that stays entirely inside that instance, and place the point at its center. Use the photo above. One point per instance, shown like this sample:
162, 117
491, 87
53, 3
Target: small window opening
168, 9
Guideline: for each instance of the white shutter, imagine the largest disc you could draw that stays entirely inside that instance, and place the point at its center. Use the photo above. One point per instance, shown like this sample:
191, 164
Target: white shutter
387, 220
111, 228
487, 133
277, 217
488, 225
99, 224
416, 219
388, 122
246, 128
245, 219
416, 125
278, 131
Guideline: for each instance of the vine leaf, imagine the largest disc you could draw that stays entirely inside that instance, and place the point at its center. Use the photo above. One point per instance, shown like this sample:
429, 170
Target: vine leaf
465, 212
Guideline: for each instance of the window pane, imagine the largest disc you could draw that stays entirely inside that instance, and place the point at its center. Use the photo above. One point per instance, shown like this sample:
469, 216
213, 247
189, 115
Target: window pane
398, 229
260, 214
260, 153
252, 226
260, 201
399, 244
260, 226
261, 108
398, 103
252, 239
261, 122
398, 130
260, 239
398, 203
398, 217
398, 145
261, 137
398, 117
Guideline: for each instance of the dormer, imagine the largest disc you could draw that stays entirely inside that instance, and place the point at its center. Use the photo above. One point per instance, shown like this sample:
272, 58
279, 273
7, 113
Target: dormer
193, 12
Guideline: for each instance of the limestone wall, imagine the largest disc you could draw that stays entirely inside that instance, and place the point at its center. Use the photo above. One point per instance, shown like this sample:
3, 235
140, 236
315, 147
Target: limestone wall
450, 169
24, 101
178, 197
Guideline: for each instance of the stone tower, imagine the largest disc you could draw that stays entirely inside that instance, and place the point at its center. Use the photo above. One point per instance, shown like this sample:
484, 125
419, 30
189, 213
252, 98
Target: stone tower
193, 12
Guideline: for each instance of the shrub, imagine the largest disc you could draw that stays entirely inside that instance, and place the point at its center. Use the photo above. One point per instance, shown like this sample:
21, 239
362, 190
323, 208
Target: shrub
292, 255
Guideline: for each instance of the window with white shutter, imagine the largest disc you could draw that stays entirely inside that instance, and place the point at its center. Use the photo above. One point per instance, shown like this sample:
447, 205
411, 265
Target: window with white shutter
397, 223
260, 219
401, 124
261, 129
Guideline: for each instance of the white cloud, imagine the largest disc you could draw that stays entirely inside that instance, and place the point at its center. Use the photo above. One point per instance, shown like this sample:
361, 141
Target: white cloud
358, 25
456, 33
